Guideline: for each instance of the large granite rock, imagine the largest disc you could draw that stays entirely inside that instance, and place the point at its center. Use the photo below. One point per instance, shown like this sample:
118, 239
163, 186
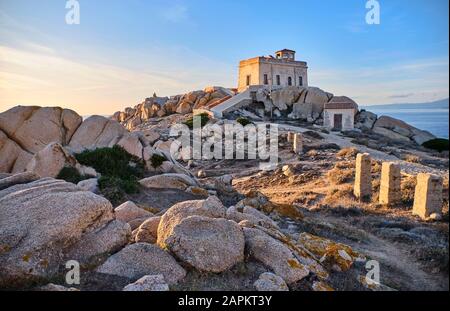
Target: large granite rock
140, 259
269, 282
49, 161
148, 283
12, 157
168, 181
96, 132
33, 128
129, 211
365, 120
42, 224
211, 207
208, 244
148, 230
285, 97
399, 130
132, 144
275, 255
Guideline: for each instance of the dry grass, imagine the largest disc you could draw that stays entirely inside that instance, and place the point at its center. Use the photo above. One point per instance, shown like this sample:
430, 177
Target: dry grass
411, 158
312, 153
348, 153
408, 187
343, 172
342, 196
376, 167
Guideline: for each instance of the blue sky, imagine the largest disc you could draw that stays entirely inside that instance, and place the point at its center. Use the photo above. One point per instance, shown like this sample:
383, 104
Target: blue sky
123, 51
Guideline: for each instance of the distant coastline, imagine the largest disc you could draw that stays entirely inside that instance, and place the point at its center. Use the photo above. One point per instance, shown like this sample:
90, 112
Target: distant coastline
432, 116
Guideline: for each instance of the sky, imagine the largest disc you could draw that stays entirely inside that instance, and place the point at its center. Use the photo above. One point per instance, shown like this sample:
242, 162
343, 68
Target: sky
124, 51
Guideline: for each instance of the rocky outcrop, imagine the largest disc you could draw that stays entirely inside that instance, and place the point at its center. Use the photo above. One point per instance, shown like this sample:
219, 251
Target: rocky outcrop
33, 128
365, 120
49, 161
336, 256
44, 223
129, 211
25, 131
147, 231
211, 207
154, 107
132, 145
275, 255
96, 132
168, 181
148, 283
140, 259
12, 157
208, 244
269, 282
399, 130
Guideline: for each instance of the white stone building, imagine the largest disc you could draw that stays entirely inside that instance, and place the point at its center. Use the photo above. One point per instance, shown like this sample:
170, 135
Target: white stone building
280, 70
340, 113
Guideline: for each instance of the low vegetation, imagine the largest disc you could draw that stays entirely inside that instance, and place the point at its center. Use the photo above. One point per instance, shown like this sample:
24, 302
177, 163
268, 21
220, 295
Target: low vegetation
343, 172
204, 119
157, 160
243, 121
438, 144
348, 153
120, 172
71, 174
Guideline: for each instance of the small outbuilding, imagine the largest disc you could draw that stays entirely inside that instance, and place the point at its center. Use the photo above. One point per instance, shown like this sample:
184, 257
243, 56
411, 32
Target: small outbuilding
339, 113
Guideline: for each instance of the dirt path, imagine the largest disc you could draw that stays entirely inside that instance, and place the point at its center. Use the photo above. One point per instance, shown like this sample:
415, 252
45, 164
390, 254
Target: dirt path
398, 269
344, 142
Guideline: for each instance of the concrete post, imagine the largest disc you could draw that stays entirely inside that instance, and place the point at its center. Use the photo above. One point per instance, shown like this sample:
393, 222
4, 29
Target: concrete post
428, 195
298, 143
390, 184
363, 177
290, 137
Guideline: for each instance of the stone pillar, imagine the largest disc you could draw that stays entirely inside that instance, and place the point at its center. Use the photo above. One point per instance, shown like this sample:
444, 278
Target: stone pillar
363, 177
298, 143
428, 195
290, 137
390, 184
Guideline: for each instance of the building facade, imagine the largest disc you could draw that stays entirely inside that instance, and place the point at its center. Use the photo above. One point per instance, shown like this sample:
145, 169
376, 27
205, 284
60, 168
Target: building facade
340, 113
280, 70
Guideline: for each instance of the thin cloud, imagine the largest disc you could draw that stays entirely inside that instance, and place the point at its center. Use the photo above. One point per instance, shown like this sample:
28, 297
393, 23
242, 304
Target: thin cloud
175, 13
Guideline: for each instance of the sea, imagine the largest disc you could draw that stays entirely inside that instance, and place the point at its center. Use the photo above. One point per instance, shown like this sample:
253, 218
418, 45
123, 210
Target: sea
433, 120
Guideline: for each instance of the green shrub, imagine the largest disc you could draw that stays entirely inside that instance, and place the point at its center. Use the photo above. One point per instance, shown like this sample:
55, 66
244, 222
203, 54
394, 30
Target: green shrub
243, 121
120, 171
204, 119
439, 144
157, 160
71, 174
113, 161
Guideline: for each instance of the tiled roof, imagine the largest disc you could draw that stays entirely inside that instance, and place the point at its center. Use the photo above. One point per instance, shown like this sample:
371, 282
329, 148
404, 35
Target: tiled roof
341, 102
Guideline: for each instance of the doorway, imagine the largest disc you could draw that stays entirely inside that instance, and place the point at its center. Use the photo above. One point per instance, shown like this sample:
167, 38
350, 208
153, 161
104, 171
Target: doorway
338, 121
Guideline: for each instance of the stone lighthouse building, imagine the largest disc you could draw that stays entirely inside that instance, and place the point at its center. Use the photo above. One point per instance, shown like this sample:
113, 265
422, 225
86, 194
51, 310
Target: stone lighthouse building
280, 70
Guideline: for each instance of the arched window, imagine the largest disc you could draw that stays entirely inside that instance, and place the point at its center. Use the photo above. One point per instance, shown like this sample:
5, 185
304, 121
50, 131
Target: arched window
289, 81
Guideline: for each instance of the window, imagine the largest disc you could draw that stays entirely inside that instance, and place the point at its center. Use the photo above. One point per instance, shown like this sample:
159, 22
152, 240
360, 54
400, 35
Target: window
278, 80
248, 80
289, 81
300, 82
266, 79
